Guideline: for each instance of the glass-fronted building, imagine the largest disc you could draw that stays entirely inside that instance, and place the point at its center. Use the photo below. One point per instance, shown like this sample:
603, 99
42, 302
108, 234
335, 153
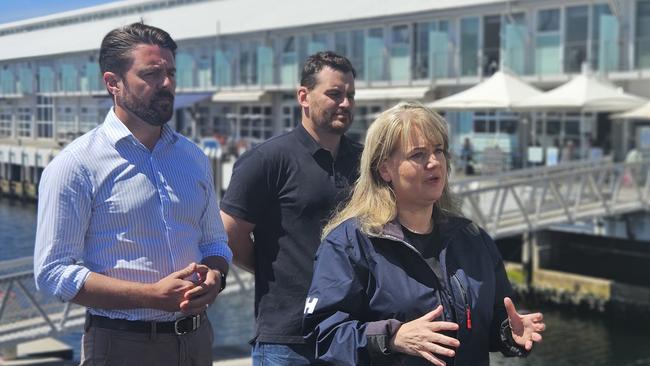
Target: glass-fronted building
238, 61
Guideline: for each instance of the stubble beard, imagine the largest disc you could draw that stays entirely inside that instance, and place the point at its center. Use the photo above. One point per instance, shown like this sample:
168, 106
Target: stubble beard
327, 123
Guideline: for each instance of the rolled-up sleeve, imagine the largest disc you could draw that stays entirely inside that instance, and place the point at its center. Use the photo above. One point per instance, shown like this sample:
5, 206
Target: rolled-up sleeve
214, 241
64, 209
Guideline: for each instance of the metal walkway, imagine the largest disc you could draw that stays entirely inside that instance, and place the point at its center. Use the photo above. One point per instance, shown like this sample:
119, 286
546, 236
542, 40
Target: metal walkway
505, 205
533, 199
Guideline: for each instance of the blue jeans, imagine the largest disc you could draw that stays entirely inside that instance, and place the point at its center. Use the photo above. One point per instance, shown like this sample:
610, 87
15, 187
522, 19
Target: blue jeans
271, 354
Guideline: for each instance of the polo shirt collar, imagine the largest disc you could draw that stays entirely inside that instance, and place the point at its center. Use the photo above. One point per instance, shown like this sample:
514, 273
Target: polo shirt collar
312, 146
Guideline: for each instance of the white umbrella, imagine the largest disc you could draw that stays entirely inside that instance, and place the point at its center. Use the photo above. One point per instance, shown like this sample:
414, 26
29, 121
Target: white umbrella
501, 91
586, 93
642, 112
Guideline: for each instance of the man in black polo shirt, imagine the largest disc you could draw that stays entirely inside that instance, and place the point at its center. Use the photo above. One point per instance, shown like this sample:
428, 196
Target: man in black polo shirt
283, 191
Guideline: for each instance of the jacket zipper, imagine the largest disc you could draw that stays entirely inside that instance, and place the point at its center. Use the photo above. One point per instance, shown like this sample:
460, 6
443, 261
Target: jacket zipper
439, 280
468, 312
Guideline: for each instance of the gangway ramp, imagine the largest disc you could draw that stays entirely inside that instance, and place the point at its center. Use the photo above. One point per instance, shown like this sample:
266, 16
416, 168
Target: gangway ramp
534, 199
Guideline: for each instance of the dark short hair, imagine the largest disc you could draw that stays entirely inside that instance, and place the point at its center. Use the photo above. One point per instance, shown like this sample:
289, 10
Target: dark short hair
115, 51
316, 62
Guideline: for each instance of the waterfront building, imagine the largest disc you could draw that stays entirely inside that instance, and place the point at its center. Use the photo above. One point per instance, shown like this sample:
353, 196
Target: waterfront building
238, 65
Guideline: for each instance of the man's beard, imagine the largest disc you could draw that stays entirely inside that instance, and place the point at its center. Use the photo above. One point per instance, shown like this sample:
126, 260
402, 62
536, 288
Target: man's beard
326, 122
153, 113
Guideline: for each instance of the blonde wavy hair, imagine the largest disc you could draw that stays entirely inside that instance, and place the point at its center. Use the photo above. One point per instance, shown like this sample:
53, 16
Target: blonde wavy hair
373, 201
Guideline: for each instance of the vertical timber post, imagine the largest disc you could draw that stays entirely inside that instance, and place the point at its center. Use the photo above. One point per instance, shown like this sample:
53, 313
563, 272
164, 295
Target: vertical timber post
530, 256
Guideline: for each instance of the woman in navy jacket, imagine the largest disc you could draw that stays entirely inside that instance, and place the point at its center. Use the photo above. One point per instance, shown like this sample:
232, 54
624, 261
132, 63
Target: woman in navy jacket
400, 277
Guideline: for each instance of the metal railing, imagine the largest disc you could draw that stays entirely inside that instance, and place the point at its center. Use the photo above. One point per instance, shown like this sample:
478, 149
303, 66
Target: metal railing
26, 314
533, 199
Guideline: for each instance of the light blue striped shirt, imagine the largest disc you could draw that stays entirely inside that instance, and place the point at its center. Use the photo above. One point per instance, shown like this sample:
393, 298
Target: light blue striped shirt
109, 205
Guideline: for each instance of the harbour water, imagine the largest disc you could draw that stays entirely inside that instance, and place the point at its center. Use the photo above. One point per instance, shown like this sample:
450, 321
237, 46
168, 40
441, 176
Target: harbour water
573, 337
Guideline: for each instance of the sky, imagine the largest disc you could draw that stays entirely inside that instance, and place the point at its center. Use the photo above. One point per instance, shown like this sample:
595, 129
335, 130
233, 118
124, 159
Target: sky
13, 10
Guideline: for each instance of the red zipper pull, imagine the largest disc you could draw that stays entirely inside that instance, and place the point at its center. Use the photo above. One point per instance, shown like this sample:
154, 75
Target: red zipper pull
469, 317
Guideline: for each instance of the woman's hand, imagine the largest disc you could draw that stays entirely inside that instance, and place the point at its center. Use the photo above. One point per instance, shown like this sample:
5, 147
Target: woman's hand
526, 329
422, 337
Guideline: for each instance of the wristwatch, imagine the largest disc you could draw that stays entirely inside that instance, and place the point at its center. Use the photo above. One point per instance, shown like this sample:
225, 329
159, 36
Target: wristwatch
223, 280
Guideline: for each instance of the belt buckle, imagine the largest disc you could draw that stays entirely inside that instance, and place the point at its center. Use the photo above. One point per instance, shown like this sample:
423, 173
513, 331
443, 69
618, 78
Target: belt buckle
196, 322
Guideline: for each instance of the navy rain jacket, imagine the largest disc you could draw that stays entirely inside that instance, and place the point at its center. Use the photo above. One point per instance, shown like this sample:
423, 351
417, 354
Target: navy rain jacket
365, 287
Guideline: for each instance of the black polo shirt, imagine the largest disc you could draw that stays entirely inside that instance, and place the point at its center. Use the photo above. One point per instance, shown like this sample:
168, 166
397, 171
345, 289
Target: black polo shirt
287, 186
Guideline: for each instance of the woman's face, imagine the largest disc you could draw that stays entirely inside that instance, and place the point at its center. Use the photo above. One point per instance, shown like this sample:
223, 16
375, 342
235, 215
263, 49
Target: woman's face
417, 172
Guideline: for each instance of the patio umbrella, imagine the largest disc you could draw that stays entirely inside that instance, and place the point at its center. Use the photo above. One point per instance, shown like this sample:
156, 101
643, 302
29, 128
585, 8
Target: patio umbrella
642, 112
586, 93
501, 91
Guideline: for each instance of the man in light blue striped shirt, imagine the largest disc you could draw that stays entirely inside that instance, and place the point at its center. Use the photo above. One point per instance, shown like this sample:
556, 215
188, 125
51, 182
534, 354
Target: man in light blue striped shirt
128, 223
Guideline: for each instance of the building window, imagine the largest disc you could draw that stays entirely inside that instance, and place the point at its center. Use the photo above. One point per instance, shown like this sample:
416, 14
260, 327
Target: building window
69, 78
88, 117
491, 44
44, 117
605, 45
291, 116
24, 119
642, 46
575, 38
7, 80
514, 43
341, 43
92, 79
46, 80
265, 64
469, 46
288, 62
255, 122
399, 53
439, 50
357, 54
25, 80
547, 42
363, 116
184, 70
204, 72
375, 55
225, 64
5, 122
66, 126
248, 63
319, 42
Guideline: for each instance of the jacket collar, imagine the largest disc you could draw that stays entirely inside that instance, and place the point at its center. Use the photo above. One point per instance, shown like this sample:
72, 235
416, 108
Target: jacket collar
446, 226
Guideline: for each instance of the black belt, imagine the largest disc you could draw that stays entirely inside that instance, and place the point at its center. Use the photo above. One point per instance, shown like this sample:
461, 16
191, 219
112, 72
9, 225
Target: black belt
179, 327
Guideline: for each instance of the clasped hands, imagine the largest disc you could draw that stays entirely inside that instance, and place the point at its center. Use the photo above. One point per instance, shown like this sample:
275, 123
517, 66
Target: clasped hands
424, 337
190, 290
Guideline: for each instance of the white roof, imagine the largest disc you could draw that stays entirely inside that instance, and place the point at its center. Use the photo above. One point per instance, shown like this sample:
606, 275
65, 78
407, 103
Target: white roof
238, 96
642, 112
584, 92
208, 19
501, 91
400, 93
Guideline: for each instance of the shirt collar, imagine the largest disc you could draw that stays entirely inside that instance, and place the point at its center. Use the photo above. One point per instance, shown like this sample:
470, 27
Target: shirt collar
116, 130
312, 146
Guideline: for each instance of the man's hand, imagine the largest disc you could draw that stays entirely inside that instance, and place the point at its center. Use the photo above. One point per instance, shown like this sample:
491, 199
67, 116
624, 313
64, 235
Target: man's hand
200, 297
170, 291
